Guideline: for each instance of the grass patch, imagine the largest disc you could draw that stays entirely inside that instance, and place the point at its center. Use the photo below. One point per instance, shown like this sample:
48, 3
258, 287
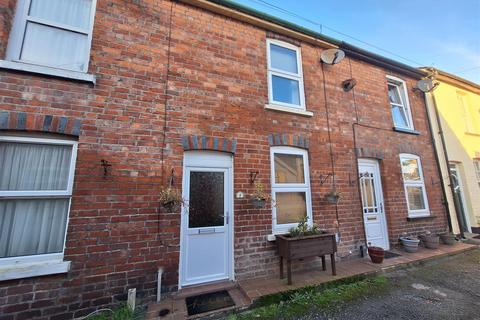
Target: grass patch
295, 303
120, 313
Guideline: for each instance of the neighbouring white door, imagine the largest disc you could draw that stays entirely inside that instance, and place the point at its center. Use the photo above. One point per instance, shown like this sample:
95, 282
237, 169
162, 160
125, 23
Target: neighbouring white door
206, 232
460, 195
372, 203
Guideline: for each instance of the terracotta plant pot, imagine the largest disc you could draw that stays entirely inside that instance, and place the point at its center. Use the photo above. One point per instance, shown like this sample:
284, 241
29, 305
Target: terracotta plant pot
410, 244
259, 203
430, 241
448, 238
376, 254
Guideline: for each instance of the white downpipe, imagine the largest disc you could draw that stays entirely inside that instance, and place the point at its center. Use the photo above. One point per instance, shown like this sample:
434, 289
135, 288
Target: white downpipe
159, 284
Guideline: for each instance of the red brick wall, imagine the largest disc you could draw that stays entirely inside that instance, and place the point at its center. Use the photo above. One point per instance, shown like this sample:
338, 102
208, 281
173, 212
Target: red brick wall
117, 235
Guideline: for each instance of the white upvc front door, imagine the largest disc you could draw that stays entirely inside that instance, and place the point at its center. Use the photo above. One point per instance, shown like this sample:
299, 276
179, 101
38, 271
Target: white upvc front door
372, 203
206, 250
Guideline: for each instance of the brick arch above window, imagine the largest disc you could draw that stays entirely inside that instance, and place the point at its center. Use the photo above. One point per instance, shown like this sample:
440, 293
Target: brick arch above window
39, 122
286, 139
209, 143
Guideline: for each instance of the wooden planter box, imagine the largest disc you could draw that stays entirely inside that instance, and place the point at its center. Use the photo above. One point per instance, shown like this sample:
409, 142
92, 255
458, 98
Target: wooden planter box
294, 248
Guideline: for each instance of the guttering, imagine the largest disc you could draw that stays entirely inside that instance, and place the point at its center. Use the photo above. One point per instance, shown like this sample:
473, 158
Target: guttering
264, 21
378, 60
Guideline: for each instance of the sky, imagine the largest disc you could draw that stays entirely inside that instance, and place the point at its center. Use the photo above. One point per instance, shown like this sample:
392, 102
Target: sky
444, 34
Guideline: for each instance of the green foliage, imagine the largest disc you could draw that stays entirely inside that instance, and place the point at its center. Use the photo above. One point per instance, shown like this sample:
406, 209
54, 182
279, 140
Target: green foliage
303, 229
295, 303
120, 313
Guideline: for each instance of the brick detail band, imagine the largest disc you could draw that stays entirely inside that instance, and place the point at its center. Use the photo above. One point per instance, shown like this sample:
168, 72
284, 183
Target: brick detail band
209, 143
370, 153
284, 139
39, 122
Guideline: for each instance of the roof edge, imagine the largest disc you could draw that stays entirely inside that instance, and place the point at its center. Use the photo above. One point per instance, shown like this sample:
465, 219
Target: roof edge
454, 80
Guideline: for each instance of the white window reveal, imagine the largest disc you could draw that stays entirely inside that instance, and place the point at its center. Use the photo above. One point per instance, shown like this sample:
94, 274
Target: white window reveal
285, 78
290, 188
398, 97
476, 165
414, 185
53, 33
36, 180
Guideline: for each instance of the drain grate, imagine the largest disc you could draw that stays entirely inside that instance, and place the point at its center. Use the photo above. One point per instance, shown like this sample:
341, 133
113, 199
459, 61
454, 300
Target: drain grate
208, 302
390, 254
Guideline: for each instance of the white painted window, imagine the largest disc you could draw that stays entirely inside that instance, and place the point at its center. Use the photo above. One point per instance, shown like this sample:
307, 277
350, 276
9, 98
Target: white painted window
285, 77
53, 33
36, 181
414, 185
290, 188
398, 98
476, 165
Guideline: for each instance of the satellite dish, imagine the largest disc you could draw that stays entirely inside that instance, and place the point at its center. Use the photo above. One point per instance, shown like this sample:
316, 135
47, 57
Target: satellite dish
427, 85
332, 56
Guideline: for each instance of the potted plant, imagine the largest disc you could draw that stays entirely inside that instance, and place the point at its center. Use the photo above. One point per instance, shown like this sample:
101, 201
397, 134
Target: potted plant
305, 241
376, 253
430, 240
259, 196
171, 199
448, 238
333, 197
410, 244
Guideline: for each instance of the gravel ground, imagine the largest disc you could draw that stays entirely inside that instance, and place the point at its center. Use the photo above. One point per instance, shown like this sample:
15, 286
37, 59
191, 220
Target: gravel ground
444, 289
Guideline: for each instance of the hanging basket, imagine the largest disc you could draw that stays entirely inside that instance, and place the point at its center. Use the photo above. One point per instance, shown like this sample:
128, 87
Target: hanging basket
170, 206
259, 203
332, 198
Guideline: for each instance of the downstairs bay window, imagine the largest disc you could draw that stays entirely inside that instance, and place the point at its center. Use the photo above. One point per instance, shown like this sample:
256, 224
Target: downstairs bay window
290, 188
414, 185
36, 180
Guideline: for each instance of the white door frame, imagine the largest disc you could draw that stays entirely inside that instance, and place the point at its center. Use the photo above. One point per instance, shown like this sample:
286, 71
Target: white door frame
457, 168
204, 160
379, 198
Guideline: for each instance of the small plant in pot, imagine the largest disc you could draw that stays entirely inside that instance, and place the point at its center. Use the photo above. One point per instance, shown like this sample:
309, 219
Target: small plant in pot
430, 240
410, 244
259, 196
376, 254
303, 229
171, 199
333, 197
448, 238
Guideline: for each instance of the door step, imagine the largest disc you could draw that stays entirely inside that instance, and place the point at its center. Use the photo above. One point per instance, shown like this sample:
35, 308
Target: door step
204, 288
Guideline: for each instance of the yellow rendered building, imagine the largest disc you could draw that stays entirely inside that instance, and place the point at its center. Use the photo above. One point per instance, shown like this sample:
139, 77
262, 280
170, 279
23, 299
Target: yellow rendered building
454, 111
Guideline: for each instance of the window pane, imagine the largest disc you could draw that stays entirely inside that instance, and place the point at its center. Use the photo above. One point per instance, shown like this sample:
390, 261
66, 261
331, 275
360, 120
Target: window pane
415, 198
206, 204
399, 116
291, 207
285, 90
410, 170
75, 13
394, 95
27, 166
283, 59
32, 226
289, 168
54, 47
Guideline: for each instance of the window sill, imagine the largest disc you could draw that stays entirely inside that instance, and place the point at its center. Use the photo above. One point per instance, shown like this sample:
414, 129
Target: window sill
472, 134
19, 271
275, 107
418, 218
409, 131
66, 74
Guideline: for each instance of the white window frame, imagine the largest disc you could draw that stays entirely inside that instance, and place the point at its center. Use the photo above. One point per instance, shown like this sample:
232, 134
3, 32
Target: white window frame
17, 35
412, 183
290, 187
402, 88
39, 264
476, 168
285, 74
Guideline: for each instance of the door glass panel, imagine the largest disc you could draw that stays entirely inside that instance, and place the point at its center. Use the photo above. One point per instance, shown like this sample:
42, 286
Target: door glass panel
289, 168
415, 198
206, 199
291, 207
369, 200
